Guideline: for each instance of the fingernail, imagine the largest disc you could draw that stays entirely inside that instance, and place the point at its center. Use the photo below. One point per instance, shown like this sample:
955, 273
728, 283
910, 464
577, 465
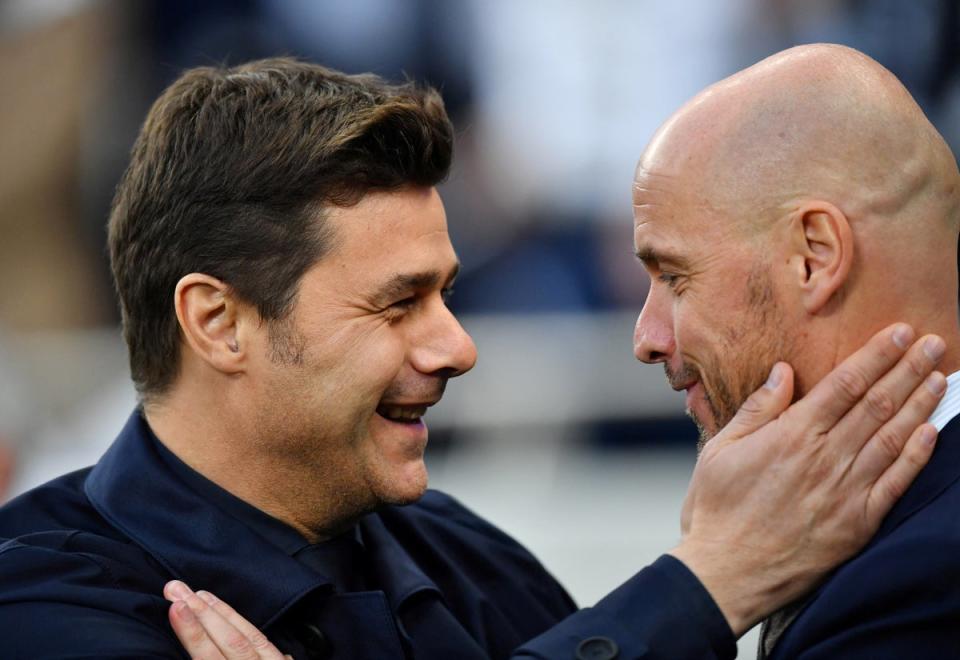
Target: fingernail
179, 590
928, 435
776, 375
936, 383
182, 611
902, 335
207, 597
934, 347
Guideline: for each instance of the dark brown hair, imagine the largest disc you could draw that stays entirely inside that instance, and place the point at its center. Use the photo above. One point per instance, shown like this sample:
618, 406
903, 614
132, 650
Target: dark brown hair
230, 174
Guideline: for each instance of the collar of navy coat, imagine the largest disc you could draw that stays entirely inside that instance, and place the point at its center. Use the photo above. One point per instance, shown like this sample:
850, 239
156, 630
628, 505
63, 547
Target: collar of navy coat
940, 473
206, 547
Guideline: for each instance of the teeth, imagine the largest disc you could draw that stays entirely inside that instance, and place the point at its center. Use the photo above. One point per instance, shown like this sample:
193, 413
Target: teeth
402, 412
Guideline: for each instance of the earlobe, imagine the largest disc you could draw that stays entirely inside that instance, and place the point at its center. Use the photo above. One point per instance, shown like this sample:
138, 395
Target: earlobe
208, 317
824, 254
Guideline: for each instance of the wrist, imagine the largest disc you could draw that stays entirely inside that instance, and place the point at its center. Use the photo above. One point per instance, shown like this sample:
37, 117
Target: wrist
737, 585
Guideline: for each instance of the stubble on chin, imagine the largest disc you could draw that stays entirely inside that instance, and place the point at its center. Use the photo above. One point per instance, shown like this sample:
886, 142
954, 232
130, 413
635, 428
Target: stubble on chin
724, 403
738, 380
704, 434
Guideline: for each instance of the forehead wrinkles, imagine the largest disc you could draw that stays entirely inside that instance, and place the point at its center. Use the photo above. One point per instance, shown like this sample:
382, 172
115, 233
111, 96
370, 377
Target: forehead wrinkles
653, 204
650, 189
667, 202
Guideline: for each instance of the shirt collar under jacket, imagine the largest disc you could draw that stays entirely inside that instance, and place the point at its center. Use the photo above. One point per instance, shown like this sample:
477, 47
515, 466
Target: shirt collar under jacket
211, 540
949, 406
942, 470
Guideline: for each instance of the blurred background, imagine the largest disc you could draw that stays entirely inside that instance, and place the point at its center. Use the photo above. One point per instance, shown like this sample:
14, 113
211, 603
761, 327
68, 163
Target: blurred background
558, 435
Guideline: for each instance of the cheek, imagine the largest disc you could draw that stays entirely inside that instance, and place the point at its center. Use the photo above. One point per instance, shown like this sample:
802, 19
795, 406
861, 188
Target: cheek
691, 331
385, 362
375, 358
356, 362
362, 342
706, 329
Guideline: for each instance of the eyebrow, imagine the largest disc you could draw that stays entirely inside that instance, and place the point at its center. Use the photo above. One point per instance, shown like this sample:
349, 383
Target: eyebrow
649, 255
403, 283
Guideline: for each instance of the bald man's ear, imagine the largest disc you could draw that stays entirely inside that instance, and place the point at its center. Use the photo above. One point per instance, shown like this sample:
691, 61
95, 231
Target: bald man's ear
209, 320
822, 254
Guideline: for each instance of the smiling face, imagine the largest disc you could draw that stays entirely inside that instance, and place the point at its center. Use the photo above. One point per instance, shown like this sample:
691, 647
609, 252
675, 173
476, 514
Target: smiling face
711, 316
343, 382
788, 213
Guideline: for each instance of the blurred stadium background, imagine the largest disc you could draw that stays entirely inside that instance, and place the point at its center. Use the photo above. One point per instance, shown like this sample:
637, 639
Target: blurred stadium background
558, 435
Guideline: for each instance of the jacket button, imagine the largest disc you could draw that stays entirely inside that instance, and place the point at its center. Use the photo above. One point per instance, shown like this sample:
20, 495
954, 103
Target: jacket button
318, 646
597, 648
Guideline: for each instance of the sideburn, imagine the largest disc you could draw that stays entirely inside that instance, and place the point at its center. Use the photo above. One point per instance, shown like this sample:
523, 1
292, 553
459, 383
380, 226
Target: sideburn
287, 346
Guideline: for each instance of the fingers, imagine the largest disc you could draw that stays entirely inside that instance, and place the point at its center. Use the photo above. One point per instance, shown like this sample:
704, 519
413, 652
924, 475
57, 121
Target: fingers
256, 638
192, 634
887, 444
898, 477
209, 628
884, 399
765, 404
842, 388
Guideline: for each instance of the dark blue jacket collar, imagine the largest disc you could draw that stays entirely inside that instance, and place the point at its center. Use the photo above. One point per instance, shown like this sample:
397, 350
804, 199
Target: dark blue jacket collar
939, 474
134, 489
396, 571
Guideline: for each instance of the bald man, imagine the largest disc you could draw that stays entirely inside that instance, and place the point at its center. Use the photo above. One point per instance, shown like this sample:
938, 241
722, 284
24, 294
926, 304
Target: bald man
786, 213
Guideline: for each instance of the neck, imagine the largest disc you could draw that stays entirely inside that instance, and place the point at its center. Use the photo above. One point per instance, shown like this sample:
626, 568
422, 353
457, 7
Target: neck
944, 324
213, 438
942, 321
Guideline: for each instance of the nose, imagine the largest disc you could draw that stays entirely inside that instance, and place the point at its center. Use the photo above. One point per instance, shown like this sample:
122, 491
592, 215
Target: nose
653, 339
443, 347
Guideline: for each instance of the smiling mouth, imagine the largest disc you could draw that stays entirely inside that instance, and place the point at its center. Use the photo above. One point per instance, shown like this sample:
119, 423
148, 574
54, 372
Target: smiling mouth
402, 414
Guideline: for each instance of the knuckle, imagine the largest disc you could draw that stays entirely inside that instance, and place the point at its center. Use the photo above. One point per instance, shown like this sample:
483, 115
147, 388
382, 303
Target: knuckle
258, 640
917, 408
851, 382
752, 407
889, 443
919, 366
236, 641
879, 404
753, 410
846, 535
196, 635
894, 489
915, 457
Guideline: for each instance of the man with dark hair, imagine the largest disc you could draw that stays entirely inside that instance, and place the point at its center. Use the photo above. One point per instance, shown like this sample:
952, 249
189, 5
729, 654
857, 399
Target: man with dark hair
282, 261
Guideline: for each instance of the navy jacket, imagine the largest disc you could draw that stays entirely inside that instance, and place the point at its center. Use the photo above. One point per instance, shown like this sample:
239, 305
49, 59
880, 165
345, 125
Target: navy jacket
86, 556
899, 598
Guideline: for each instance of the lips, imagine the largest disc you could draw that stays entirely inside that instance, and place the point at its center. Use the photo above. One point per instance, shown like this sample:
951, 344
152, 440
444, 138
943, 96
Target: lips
685, 386
682, 378
404, 413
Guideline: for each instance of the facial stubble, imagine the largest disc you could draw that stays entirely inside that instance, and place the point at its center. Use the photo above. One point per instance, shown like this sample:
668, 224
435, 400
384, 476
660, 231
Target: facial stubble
729, 381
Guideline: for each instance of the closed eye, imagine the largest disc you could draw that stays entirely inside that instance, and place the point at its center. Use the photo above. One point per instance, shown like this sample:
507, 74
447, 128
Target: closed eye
399, 309
670, 279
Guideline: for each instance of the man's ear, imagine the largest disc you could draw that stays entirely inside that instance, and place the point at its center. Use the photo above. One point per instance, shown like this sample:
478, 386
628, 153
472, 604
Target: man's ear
822, 252
209, 320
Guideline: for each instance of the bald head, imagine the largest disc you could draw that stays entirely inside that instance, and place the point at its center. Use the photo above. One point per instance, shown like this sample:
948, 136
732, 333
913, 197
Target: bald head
820, 121
788, 213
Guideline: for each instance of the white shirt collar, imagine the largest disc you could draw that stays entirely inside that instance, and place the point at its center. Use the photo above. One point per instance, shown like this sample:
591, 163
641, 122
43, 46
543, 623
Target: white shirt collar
949, 406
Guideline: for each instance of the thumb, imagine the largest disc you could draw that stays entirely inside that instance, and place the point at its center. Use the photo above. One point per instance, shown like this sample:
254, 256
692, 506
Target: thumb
764, 405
